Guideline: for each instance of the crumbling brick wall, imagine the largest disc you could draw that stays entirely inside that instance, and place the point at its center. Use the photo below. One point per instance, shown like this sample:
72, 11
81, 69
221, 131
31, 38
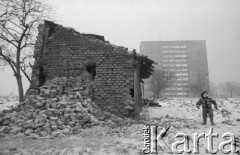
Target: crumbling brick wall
63, 52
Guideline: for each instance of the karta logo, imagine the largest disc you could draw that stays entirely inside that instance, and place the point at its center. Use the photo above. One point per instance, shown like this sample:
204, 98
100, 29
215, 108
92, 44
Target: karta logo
152, 139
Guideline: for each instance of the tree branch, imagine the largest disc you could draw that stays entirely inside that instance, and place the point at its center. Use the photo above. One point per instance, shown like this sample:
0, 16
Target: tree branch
9, 61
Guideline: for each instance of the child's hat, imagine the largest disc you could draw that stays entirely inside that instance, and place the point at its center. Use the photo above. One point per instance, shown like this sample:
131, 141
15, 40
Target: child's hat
203, 92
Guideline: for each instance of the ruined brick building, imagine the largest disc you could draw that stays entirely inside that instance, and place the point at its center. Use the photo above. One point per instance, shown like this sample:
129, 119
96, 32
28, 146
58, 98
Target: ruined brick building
101, 70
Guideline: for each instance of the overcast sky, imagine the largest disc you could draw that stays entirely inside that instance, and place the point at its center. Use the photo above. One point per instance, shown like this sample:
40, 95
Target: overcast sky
128, 22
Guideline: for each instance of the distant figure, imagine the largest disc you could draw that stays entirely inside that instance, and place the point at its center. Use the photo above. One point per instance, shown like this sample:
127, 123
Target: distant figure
206, 103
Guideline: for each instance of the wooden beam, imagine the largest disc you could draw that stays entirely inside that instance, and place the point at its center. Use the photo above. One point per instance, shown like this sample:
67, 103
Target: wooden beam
137, 90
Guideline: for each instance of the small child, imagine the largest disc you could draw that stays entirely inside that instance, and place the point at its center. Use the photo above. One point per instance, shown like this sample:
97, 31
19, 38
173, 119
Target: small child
206, 103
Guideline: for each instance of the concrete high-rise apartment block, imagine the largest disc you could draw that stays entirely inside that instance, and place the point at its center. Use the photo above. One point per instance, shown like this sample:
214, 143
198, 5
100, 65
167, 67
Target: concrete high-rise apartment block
187, 59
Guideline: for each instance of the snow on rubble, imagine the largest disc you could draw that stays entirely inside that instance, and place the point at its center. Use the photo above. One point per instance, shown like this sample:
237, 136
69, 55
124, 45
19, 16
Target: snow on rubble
48, 112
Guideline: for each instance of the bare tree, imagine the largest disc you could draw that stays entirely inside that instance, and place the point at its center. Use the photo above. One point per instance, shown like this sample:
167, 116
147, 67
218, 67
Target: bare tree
213, 89
199, 84
230, 87
159, 81
18, 26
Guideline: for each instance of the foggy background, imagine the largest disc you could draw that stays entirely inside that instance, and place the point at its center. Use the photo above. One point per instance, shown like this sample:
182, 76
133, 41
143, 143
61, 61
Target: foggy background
128, 22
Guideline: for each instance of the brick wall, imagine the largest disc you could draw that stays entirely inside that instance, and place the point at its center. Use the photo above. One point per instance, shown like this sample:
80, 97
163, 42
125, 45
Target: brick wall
63, 52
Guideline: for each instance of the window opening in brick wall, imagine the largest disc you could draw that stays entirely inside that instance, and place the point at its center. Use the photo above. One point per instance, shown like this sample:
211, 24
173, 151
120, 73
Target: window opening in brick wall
91, 70
131, 92
42, 78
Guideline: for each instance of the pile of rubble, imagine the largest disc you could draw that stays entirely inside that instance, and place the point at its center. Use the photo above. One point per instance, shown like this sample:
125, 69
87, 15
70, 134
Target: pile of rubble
52, 113
65, 85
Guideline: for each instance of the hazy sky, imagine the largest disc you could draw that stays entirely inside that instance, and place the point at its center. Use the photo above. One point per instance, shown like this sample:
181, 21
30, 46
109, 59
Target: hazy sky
128, 22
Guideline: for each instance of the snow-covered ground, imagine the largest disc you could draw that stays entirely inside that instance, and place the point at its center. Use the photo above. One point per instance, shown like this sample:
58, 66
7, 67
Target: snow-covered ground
181, 114
8, 105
